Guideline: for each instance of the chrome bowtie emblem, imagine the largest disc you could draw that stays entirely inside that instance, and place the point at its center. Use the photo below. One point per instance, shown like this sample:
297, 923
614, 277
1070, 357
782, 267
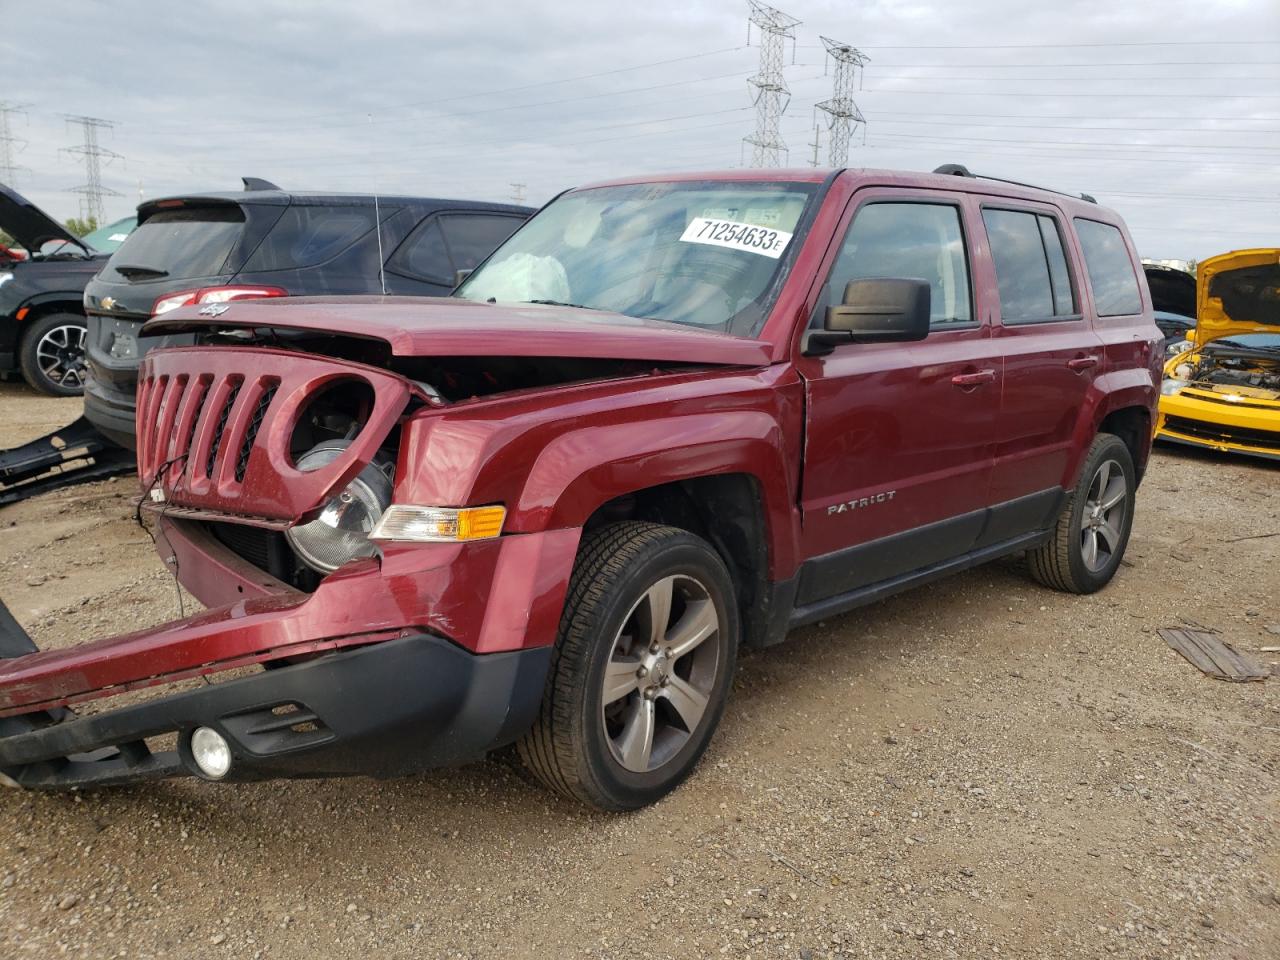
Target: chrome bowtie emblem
214, 310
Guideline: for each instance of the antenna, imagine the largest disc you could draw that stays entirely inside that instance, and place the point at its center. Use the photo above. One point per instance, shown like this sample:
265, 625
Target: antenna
377, 226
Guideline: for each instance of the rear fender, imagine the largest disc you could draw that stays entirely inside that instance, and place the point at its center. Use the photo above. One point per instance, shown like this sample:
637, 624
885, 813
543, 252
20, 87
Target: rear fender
1112, 391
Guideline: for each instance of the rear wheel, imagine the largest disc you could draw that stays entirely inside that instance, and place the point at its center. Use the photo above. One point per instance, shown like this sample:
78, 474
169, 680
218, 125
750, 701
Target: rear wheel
1093, 529
641, 669
52, 354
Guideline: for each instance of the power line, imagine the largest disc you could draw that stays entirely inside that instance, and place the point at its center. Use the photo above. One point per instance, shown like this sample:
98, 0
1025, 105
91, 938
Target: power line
1111, 94
273, 124
1070, 46
92, 191
1087, 144
772, 94
1180, 131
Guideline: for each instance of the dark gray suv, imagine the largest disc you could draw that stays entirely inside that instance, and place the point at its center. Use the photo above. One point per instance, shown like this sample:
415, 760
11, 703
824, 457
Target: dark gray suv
218, 247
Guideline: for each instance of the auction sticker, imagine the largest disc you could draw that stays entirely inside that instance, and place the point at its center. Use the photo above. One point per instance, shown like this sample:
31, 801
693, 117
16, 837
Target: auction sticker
737, 236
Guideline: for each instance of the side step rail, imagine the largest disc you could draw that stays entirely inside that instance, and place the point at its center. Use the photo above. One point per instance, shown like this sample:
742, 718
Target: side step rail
76, 453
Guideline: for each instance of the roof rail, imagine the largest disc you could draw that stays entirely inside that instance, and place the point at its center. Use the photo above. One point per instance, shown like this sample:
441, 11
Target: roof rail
960, 170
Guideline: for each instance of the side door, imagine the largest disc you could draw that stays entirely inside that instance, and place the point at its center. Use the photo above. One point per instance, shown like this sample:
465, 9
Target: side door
430, 257
1051, 356
898, 436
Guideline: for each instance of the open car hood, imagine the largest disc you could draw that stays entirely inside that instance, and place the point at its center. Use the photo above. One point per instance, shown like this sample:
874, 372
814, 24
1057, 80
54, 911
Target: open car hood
452, 327
1172, 290
1238, 292
28, 224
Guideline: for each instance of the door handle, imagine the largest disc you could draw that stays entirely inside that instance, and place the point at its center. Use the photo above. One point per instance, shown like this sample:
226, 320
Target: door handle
976, 379
1082, 363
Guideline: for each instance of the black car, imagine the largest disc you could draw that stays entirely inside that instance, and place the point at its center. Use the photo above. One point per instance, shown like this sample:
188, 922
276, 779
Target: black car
1173, 295
266, 242
42, 325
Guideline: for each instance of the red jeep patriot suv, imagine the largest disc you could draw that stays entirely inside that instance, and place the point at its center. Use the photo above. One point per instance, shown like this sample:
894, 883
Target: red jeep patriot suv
669, 417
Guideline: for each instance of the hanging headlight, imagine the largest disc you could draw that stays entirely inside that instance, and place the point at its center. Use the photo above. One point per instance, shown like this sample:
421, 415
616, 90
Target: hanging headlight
341, 532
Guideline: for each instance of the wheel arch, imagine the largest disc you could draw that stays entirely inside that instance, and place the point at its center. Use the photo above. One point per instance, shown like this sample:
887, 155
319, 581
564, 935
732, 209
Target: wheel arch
728, 511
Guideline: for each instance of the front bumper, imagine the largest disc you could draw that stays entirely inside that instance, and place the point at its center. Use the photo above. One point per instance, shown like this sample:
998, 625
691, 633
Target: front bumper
1249, 426
388, 709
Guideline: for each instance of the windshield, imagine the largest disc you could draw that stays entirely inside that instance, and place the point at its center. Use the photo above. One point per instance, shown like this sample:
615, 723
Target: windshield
177, 245
709, 255
107, 239
1249, 341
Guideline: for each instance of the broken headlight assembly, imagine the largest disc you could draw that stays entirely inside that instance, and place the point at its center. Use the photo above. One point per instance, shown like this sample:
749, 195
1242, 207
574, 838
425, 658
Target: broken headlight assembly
341, 532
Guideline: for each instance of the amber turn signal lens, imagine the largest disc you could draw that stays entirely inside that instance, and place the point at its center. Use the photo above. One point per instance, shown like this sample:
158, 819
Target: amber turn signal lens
439, 524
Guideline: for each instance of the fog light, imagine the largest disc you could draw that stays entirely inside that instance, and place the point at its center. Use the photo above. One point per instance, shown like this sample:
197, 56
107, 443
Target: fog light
211, 752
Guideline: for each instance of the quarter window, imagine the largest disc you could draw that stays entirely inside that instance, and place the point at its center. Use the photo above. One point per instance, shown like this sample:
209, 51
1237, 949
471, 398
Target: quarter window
918, 241
1031, 268
1106, 255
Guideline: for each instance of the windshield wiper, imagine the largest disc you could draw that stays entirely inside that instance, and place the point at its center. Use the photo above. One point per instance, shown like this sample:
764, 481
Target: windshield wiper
138, 273
559, 303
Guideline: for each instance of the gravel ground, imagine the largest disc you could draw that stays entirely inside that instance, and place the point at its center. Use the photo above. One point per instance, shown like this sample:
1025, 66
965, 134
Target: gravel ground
979, 768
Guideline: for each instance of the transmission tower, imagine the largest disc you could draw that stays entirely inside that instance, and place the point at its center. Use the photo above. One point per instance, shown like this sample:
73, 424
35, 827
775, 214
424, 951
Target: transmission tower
772, 94
517, 192
816, 143
10, 145
92, 191
843, 114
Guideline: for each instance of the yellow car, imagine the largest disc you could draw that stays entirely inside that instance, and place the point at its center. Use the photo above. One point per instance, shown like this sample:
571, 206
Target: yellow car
1222, 390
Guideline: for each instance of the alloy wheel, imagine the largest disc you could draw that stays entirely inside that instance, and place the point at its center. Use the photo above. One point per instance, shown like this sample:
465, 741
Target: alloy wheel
661, 673
1103, 516
60, 355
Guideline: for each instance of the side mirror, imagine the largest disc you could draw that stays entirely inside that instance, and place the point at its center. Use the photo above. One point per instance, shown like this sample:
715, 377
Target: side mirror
874, 311
461, 275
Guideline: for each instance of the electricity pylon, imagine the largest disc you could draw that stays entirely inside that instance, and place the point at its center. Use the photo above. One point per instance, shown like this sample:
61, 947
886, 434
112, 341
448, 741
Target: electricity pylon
772, 93
842, 112
92, 191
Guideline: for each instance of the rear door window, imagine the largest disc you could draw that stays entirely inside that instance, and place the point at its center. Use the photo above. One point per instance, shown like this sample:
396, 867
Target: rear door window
472, 237
1106, 256
921, 241
305, 236
424, 255
1031, 268
445, 244
177, 245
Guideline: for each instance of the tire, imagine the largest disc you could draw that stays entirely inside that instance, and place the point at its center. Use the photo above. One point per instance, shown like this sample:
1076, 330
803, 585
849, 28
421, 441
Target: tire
590, 750
52, 354
1066, 562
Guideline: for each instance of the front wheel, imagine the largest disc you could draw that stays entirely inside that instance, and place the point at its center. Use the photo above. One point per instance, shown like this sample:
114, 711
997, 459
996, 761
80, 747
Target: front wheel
1093, 529
641, 669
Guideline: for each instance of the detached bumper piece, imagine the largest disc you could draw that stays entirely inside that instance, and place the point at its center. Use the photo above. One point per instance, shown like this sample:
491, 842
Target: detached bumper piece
388, 709
77, 453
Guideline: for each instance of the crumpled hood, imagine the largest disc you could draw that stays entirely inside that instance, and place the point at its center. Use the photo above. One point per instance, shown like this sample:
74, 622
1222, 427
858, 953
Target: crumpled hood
1238, 292
449, 326
28, 224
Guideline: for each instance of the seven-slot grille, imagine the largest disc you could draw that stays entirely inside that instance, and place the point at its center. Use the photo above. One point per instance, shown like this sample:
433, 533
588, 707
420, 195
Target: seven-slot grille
185, 431
215, 427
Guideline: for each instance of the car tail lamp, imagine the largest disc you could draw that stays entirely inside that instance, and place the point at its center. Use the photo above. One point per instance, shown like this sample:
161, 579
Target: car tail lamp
187, 298
439, 524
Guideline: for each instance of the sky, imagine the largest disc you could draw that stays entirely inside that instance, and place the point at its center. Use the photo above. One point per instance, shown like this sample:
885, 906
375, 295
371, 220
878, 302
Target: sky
1171, 118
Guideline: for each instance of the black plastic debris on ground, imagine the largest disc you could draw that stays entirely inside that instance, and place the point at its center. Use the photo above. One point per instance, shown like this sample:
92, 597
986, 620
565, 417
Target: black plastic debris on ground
1214, 656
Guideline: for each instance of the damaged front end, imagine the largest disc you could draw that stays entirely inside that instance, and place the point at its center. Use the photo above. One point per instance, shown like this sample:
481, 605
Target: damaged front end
321, 652
1222, 391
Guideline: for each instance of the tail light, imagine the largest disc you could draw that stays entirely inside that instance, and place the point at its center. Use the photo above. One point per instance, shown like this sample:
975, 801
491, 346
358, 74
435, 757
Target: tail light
186, 298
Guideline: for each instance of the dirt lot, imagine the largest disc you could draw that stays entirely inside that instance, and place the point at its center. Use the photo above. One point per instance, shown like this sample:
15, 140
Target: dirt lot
979, 768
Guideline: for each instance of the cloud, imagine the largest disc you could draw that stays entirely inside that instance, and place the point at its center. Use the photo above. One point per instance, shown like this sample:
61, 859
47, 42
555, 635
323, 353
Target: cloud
467, 99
